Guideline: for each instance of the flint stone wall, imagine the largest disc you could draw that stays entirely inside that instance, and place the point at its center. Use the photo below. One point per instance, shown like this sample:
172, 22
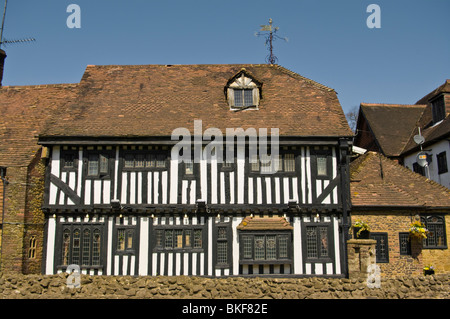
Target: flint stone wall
18, 286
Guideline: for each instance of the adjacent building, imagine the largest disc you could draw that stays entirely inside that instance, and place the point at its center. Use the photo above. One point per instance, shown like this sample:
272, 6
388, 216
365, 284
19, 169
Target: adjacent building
390, 129
389, 197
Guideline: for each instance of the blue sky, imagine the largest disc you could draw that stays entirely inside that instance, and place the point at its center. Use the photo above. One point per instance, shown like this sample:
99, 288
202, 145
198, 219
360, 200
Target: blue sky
329, 41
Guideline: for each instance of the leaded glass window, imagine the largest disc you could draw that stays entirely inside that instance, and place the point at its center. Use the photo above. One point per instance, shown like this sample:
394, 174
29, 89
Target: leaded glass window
121, 239
381, 248
86, 247
187, 238
81, 246
271, 247
169, 238
160, 160
311, 242
436, 237
32, 247
159, 237
189, 168
243, 97
283, 247
405, 244
103, 162
259, 247
178, 238
222, 252
93, 165
140, 160
289, 163
96, 245
323, 241
66, 247
247, 247
317, 241
264, 247
76, 247
322, 166
198, 238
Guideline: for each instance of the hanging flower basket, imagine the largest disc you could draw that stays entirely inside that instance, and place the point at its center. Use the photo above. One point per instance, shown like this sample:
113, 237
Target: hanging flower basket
361, 230
428, 270
418, 230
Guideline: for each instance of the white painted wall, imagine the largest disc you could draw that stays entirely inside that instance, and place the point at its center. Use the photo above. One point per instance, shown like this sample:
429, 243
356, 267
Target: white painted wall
434, 149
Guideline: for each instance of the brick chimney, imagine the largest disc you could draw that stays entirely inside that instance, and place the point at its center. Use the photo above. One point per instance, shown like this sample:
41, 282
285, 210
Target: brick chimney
2, 64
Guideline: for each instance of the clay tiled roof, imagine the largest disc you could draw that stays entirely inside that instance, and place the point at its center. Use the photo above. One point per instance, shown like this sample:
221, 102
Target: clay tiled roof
392, 124
264, 223
23, 111
378, 181
153, 100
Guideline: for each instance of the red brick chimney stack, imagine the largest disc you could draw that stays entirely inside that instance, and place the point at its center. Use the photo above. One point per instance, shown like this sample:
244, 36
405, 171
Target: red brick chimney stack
2, 64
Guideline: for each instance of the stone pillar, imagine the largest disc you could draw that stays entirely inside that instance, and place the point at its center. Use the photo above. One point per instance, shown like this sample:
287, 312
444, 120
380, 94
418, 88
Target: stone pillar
361, 254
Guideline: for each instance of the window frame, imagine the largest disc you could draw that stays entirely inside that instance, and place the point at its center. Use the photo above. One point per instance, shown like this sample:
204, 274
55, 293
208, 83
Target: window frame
426, 221
442, 162
281, 172
375, 236
315, 153
252, 234
146, 154
330, 242
223, 241
404, 236
99, 154
71, 227
438, 108
75, 159
161, 247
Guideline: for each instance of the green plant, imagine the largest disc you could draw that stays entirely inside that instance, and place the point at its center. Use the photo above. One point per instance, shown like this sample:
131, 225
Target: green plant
361, 226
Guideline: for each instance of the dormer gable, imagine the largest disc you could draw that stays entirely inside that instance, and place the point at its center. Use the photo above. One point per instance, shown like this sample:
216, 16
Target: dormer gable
243, 91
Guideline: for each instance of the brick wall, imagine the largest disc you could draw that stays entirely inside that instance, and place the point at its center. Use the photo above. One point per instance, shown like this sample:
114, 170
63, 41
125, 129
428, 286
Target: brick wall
394, 222
23, 217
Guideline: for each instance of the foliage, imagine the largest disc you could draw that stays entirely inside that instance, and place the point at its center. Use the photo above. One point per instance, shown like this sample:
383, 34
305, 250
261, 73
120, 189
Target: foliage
361, 225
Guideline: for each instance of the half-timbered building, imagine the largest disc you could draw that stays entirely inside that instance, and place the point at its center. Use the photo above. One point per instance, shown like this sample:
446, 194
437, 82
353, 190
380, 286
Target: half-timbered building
139, 179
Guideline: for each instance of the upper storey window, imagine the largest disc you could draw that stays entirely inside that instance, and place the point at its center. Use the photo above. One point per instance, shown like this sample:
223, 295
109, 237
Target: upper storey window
438, 109
243, 91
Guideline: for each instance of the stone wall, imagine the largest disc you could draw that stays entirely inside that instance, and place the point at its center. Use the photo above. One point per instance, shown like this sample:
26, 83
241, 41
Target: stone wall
18, 286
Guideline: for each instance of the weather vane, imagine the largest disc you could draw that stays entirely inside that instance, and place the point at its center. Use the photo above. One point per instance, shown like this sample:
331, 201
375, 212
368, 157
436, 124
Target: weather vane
4, 41
269, 32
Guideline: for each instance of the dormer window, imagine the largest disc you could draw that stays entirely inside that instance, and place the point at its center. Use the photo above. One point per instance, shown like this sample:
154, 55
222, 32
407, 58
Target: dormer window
243, 97
243, 91
438, 109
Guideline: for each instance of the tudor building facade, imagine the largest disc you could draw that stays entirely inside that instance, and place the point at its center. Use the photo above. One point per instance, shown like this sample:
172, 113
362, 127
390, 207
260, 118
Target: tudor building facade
119, 199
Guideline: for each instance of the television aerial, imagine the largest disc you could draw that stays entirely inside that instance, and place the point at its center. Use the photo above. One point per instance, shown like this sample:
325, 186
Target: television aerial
269, 32
5, 41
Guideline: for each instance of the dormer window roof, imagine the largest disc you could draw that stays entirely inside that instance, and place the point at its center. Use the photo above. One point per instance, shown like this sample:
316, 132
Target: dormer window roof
243, 91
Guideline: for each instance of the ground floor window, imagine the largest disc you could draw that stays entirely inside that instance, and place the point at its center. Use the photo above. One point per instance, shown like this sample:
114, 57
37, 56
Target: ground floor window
436, 237
405, 244
81, 245
265, 247
318, 242
381, 248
